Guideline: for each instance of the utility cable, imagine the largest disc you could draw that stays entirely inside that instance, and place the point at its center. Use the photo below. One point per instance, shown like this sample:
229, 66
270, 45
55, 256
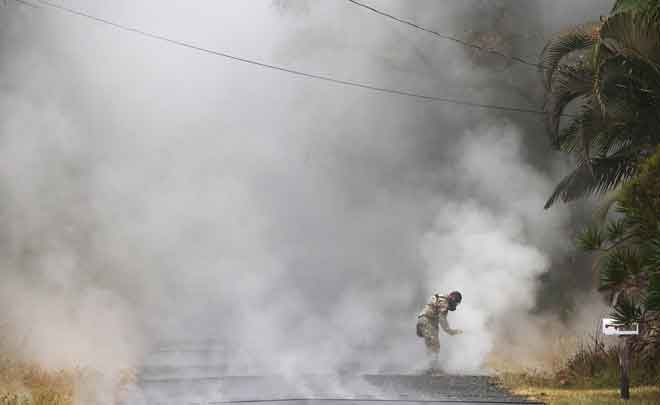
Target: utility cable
25, 3
330, 79
468, 44
445, 36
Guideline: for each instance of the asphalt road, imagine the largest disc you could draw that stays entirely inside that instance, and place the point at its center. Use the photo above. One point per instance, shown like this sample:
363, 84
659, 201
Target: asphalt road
186, 383
323, 390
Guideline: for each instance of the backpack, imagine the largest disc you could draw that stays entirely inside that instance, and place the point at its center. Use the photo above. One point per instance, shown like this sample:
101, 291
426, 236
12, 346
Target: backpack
420, 327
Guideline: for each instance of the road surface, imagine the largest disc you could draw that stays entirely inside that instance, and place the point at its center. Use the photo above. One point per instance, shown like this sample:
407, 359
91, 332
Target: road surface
174, 376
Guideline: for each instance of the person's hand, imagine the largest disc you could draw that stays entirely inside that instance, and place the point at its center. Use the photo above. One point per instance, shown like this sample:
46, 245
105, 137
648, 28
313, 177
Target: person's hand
457, 332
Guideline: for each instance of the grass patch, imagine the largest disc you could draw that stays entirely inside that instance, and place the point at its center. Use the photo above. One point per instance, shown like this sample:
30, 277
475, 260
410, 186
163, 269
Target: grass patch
28, 384
589, 376
600, 369
548, 389
583, 396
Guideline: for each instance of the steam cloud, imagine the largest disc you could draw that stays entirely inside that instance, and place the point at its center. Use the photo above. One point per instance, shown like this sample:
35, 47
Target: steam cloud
152, 194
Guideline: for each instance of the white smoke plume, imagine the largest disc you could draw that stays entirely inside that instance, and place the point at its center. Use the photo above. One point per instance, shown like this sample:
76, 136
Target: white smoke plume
492, 250
152, 194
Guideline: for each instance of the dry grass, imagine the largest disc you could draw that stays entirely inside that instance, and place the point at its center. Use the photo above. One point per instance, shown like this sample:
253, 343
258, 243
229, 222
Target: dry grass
29, 384
590, 375
547, 389
26, 384
581, 396
555, 389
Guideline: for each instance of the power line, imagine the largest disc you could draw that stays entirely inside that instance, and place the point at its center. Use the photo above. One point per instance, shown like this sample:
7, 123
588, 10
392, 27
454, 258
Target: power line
445, 36
466, 43
280, 68
25, 3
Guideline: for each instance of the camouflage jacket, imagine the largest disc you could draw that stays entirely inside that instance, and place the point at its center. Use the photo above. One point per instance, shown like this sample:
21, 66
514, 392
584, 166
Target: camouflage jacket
436, 311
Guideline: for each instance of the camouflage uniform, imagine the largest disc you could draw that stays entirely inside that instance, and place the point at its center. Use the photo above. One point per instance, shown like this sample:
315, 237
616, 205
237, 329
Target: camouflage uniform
434, 315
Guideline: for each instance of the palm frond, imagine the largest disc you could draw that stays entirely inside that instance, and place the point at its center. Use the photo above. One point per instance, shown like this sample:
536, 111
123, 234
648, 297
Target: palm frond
619, 267
608, 200
570, 83
590, 239
626, 311
574, 39
567, 139
633, 34
610, 71
609, 171
625, 6
601, 175
571, 138
613, 272
594, 128
616, 230
652, 301
626, 88
653, 255
611, 145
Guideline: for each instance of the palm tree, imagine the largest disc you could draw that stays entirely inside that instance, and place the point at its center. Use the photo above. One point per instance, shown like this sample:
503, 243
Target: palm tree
645, 6
629, 255
602, 97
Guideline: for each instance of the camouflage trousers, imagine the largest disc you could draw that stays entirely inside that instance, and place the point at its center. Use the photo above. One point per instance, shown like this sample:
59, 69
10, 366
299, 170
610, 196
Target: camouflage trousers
430, 332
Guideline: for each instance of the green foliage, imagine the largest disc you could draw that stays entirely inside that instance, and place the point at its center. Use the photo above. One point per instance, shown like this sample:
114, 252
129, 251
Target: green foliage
626, 312
596, 365
616, 230
603, 107
640, 199
653, 297
609, 73
590, 239
653, 255
573, 39
629, 249
619, 268
653, 270
625, 6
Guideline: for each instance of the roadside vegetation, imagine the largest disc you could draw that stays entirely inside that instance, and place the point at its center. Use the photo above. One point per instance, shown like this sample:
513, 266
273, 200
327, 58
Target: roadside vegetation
594, 380
589, 376
602, 83
587, 396
23, 383
29, 384
603, 107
